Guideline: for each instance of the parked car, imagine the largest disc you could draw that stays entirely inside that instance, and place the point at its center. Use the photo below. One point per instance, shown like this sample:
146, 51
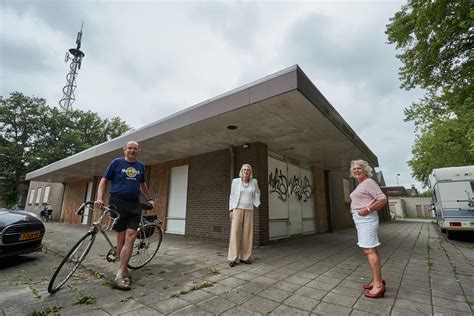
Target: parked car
18, 207
20, 232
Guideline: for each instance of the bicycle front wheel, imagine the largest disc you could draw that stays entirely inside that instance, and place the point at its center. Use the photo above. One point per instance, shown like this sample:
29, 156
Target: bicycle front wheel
71, 262
145, 246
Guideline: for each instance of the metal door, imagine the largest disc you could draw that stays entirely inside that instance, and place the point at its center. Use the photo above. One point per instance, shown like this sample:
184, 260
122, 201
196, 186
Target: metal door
295, 207
277, 198
307, 201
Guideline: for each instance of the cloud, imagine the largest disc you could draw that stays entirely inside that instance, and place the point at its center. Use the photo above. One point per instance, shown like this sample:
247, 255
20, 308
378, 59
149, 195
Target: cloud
149, 59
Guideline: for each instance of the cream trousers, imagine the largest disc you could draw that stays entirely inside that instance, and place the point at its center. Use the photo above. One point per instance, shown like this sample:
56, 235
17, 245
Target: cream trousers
241, 235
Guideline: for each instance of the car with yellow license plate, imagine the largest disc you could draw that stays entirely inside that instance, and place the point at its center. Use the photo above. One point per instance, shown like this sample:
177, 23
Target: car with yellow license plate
20, 232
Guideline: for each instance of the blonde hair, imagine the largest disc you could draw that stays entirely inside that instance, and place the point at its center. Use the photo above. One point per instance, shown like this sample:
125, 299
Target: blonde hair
365, 166
241, 169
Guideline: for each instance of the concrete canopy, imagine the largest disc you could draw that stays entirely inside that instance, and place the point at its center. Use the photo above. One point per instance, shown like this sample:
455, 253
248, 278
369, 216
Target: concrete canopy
284, 110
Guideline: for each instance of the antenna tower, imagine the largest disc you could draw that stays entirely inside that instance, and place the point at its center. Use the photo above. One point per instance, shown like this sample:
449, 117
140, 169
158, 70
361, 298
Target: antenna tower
76, 55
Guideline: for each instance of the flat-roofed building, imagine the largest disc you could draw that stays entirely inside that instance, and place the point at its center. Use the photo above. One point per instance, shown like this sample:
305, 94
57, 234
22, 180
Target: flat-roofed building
299, 147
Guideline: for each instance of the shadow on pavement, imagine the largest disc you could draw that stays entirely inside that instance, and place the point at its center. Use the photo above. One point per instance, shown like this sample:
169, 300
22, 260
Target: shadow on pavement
467, 237
11, 262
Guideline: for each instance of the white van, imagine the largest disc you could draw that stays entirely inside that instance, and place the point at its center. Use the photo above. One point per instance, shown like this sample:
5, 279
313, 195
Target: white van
453, 198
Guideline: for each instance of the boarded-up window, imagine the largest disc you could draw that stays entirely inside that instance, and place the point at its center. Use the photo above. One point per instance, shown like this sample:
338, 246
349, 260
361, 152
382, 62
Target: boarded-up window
46, 194
38, 195
32, 196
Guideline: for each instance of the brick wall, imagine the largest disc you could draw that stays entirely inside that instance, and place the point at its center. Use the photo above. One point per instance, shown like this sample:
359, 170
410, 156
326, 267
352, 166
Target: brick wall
207, 213
341, 211
257, 156
207, 205
320, 207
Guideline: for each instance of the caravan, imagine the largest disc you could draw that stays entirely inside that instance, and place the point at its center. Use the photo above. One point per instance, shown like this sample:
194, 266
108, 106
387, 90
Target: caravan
453, 198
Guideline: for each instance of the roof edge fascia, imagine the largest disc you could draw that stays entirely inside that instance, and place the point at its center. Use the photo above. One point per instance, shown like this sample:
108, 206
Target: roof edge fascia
242, 96
312, 93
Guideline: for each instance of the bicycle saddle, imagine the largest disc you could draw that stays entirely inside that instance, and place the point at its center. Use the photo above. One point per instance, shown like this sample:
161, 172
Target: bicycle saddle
146, 206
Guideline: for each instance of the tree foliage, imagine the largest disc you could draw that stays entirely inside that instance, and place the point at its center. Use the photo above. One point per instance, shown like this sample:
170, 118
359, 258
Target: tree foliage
436, 40
33, 135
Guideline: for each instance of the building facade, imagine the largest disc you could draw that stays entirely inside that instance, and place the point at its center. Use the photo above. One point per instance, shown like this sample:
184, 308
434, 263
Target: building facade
298, 145
45, 195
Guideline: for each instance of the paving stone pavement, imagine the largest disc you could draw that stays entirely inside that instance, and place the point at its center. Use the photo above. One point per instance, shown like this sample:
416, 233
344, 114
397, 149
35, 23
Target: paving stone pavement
320, 274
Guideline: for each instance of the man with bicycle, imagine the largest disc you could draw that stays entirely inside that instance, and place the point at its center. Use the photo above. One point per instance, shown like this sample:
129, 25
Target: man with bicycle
126, 176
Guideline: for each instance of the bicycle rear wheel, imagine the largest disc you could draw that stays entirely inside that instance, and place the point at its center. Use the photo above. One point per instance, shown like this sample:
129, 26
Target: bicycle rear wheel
145, 246
71, 262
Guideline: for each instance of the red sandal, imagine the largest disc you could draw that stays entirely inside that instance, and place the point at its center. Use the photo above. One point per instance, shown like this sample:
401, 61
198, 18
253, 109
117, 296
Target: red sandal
380, 293
369, 286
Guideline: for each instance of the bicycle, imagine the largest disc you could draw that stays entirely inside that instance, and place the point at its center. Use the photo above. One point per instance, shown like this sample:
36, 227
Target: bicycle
145, 247
46, 213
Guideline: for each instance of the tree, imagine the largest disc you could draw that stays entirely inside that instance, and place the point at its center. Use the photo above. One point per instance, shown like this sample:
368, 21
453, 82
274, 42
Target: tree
436, 40
33, 135
19, 119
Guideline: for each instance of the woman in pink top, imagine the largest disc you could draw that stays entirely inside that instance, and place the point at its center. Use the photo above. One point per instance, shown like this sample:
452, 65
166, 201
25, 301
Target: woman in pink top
366, 200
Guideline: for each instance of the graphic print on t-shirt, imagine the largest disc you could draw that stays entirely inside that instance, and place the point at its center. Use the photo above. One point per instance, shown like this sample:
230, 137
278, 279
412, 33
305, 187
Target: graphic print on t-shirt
131, 173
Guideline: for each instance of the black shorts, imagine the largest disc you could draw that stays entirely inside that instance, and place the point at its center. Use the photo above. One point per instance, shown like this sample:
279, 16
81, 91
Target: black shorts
129, 211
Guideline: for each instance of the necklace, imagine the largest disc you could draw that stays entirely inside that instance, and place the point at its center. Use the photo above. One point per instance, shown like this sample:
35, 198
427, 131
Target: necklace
245, 184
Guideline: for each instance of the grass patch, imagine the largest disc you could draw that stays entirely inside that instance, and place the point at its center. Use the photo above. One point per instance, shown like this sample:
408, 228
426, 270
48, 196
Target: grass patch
213, 271
95, 273
84, 300
194, 288
35, 291
46, 311
108, 281
126, 299
178, 294
132, 297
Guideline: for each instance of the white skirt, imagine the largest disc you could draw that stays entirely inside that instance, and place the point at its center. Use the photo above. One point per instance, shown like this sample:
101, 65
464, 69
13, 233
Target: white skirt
367, 230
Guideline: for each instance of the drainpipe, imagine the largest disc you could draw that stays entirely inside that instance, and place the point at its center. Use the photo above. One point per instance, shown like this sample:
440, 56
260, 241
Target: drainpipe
232, 162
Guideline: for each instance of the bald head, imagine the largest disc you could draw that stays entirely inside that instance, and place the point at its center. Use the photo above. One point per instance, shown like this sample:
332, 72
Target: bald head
132, 142
131, 150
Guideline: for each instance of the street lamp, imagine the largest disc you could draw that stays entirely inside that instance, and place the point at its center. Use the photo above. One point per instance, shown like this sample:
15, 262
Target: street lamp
398, 184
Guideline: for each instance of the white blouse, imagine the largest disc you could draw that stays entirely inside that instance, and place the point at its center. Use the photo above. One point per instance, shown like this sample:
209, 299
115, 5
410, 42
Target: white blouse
236, 190
246, 199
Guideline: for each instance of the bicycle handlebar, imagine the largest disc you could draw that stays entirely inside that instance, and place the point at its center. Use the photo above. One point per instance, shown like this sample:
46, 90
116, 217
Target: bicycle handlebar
106, 209
81, 209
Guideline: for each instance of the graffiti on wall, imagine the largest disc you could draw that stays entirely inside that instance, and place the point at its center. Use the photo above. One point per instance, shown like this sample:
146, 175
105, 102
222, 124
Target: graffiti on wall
280, 185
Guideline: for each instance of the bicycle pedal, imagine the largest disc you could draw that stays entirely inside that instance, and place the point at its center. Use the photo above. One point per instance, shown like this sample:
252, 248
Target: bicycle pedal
112, 255
112, 258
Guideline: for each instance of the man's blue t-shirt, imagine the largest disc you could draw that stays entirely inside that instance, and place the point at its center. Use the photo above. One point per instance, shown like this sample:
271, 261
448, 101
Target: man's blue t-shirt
125, 178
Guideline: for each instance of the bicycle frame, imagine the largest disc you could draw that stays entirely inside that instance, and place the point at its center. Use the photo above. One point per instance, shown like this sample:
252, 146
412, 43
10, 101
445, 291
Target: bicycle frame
99, 225
145, 246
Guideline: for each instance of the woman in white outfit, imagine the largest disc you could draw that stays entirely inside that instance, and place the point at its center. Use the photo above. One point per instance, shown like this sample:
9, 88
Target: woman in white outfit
244, 195
366, 200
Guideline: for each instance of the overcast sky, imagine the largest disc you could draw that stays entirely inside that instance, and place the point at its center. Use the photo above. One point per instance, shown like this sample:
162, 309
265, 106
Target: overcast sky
148, 59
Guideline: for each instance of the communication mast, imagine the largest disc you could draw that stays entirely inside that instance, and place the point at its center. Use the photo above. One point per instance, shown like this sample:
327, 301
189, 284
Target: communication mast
76, 55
